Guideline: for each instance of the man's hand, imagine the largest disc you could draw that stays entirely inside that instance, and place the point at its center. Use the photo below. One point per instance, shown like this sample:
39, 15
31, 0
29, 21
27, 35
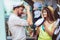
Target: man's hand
27, 8
29, 15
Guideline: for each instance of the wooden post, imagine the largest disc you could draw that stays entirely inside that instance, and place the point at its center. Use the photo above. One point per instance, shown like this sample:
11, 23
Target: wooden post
2, 22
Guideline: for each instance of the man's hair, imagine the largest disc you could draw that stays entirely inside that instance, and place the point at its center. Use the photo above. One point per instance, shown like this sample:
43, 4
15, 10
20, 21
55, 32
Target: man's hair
18, 7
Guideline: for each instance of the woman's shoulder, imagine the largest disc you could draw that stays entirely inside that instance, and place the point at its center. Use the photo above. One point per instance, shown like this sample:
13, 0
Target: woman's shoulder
55, 24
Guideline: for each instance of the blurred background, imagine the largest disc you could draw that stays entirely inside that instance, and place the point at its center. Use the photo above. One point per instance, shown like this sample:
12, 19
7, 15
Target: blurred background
8, 10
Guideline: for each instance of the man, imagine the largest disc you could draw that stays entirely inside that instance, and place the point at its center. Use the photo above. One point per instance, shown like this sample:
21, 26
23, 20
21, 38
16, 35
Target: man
16, 23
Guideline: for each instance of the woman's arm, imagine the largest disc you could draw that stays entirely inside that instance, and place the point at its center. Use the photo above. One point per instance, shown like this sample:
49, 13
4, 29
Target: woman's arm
50, 32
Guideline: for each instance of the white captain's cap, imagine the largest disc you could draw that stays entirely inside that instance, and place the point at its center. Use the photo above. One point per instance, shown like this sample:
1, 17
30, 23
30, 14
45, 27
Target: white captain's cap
15, 4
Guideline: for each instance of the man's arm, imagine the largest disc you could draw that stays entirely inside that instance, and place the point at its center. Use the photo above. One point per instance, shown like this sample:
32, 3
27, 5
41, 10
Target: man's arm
20, 22
29, 15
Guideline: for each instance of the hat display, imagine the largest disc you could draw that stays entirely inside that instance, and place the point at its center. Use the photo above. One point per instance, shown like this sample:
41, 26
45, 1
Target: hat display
37, 5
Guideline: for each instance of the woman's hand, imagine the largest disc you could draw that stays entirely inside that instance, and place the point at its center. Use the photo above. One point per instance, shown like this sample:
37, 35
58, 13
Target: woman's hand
49, 31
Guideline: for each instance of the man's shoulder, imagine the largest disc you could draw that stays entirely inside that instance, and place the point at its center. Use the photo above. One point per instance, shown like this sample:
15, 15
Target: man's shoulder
13, 16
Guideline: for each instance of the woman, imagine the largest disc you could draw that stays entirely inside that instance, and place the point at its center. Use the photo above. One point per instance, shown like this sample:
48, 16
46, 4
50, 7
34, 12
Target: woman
48, 26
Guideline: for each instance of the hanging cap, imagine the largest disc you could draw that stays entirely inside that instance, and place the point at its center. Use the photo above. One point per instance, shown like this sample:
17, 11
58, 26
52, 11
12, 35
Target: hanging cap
51, 9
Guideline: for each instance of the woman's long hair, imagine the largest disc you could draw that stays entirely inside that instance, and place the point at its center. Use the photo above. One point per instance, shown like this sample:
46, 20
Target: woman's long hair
49, 13
52, 14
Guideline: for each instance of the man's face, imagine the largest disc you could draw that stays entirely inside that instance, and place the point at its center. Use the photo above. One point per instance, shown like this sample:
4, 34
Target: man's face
20, 10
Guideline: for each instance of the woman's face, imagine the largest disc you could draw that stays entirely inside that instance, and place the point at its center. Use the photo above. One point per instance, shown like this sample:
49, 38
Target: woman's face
44, 13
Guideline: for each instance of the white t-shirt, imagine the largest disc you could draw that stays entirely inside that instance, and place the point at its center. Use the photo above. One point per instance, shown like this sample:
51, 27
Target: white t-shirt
16, 26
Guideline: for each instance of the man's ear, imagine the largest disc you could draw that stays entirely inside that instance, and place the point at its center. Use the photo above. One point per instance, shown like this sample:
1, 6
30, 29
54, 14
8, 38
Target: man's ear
16, 9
